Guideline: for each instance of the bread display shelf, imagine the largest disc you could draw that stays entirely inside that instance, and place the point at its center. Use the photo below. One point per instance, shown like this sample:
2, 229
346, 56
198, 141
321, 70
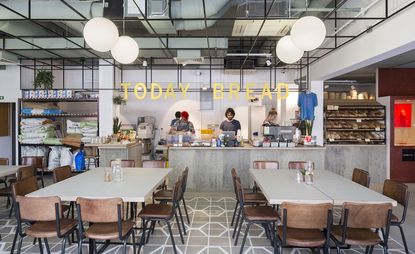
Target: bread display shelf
60, 115
351, 124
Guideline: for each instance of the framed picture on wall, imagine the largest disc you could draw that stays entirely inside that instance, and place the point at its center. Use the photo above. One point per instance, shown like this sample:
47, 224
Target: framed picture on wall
403, 115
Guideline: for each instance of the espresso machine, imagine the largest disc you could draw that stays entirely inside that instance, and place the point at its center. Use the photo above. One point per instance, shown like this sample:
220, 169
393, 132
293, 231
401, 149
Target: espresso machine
278, 136
146, 134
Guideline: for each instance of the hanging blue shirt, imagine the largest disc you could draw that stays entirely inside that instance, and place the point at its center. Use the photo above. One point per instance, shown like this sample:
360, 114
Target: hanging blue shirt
307, 102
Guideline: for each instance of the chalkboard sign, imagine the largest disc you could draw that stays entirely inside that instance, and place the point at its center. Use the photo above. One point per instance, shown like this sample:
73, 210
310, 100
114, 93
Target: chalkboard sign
408, 154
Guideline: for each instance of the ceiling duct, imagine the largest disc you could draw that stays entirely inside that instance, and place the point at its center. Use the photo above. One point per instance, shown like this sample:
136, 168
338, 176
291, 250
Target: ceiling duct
7, 58
188, 57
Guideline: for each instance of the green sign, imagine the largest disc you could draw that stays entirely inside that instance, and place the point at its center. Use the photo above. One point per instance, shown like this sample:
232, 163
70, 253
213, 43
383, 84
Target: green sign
1, 98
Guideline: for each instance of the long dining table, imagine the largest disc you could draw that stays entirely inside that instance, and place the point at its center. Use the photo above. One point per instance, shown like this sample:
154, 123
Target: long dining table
137, 185
6, 170
281, 186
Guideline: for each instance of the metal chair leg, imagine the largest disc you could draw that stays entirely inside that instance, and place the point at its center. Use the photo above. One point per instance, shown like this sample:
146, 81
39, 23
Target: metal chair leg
245, 236
152, 225
405, 245
19, 247
178, 226
181, 218
47, 246
143, 235
239, 231
234, 213
185, 210
40, 245
63, 245
133, 240
14, 242
171, 237
236, 224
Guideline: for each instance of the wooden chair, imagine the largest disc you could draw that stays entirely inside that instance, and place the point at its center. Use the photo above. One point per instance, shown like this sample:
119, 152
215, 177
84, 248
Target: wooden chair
22, 188
154, 164
400, 193
38, 163
62, 173
22, 173
263, 215
4, 161
250, 198
361, 177
45, 217
298, 165
306, 226
124, 163
162, 212
166, 196
105, 217
360, 224
264, 165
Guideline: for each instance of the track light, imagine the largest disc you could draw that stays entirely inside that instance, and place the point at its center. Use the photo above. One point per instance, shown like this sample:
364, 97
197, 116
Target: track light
145, 63
268, 62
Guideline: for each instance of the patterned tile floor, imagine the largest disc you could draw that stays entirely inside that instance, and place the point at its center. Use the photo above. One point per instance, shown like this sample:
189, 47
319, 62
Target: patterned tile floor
208, 233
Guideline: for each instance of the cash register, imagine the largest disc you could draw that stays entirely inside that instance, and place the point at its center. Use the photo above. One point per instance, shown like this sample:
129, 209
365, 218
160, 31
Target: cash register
278, 136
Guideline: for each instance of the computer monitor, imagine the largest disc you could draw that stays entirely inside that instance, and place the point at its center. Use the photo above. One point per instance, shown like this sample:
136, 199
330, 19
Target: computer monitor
229, 134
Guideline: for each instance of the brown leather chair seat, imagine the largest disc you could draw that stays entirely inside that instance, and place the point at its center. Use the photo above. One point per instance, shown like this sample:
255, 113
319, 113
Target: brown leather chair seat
46, 229
105, 231
262, 213
308, 238
163, 195
255, 197
357, 236
162, 211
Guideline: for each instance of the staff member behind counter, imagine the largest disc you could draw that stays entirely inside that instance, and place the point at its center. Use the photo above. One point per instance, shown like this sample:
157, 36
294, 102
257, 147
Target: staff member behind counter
183, 124
230, 124
271, 119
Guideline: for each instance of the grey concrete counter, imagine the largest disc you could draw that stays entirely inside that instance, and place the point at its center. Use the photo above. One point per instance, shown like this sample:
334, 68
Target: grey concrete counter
210, 167
107, 152
342, 159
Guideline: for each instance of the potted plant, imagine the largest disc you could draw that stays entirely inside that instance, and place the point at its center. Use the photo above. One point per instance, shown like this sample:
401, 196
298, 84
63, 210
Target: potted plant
308, 131
119, 100
116, 125
44, 79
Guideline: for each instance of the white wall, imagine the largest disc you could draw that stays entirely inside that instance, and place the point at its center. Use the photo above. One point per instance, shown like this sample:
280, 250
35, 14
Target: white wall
106, 107
163, 109
393, 37
10, 89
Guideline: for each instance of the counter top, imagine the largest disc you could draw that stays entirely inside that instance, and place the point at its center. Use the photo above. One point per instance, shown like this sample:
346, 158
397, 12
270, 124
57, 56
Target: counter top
113, 146
248, 148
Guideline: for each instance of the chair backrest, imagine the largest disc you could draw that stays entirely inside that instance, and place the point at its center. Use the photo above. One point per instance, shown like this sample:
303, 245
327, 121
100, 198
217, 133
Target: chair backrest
361, 215
234, 176
24, 187
361, 177
37, 209
398, 192
240, 192
99, 210
306, 216
185, 174
177, 192
36, 161
298, 165
154, 164
124, 163
26, 172
62, 173
4, 161
266, 165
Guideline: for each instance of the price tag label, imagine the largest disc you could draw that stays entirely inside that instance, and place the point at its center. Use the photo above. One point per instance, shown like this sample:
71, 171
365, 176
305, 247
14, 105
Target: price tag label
358, 120
359, 139
377, 129
332, 107
331, 139
367, 139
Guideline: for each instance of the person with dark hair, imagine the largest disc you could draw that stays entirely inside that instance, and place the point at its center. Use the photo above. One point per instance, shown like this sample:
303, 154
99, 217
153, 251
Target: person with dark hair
230, 124
184, 124
177, 116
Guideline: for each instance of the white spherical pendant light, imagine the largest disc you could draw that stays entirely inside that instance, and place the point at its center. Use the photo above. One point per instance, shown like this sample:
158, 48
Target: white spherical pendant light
125, 50
100, 34
308, 33
287, 51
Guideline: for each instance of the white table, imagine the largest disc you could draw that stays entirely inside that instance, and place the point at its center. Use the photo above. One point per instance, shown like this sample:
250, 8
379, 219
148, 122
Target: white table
280, 185
6, 170
138, 184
